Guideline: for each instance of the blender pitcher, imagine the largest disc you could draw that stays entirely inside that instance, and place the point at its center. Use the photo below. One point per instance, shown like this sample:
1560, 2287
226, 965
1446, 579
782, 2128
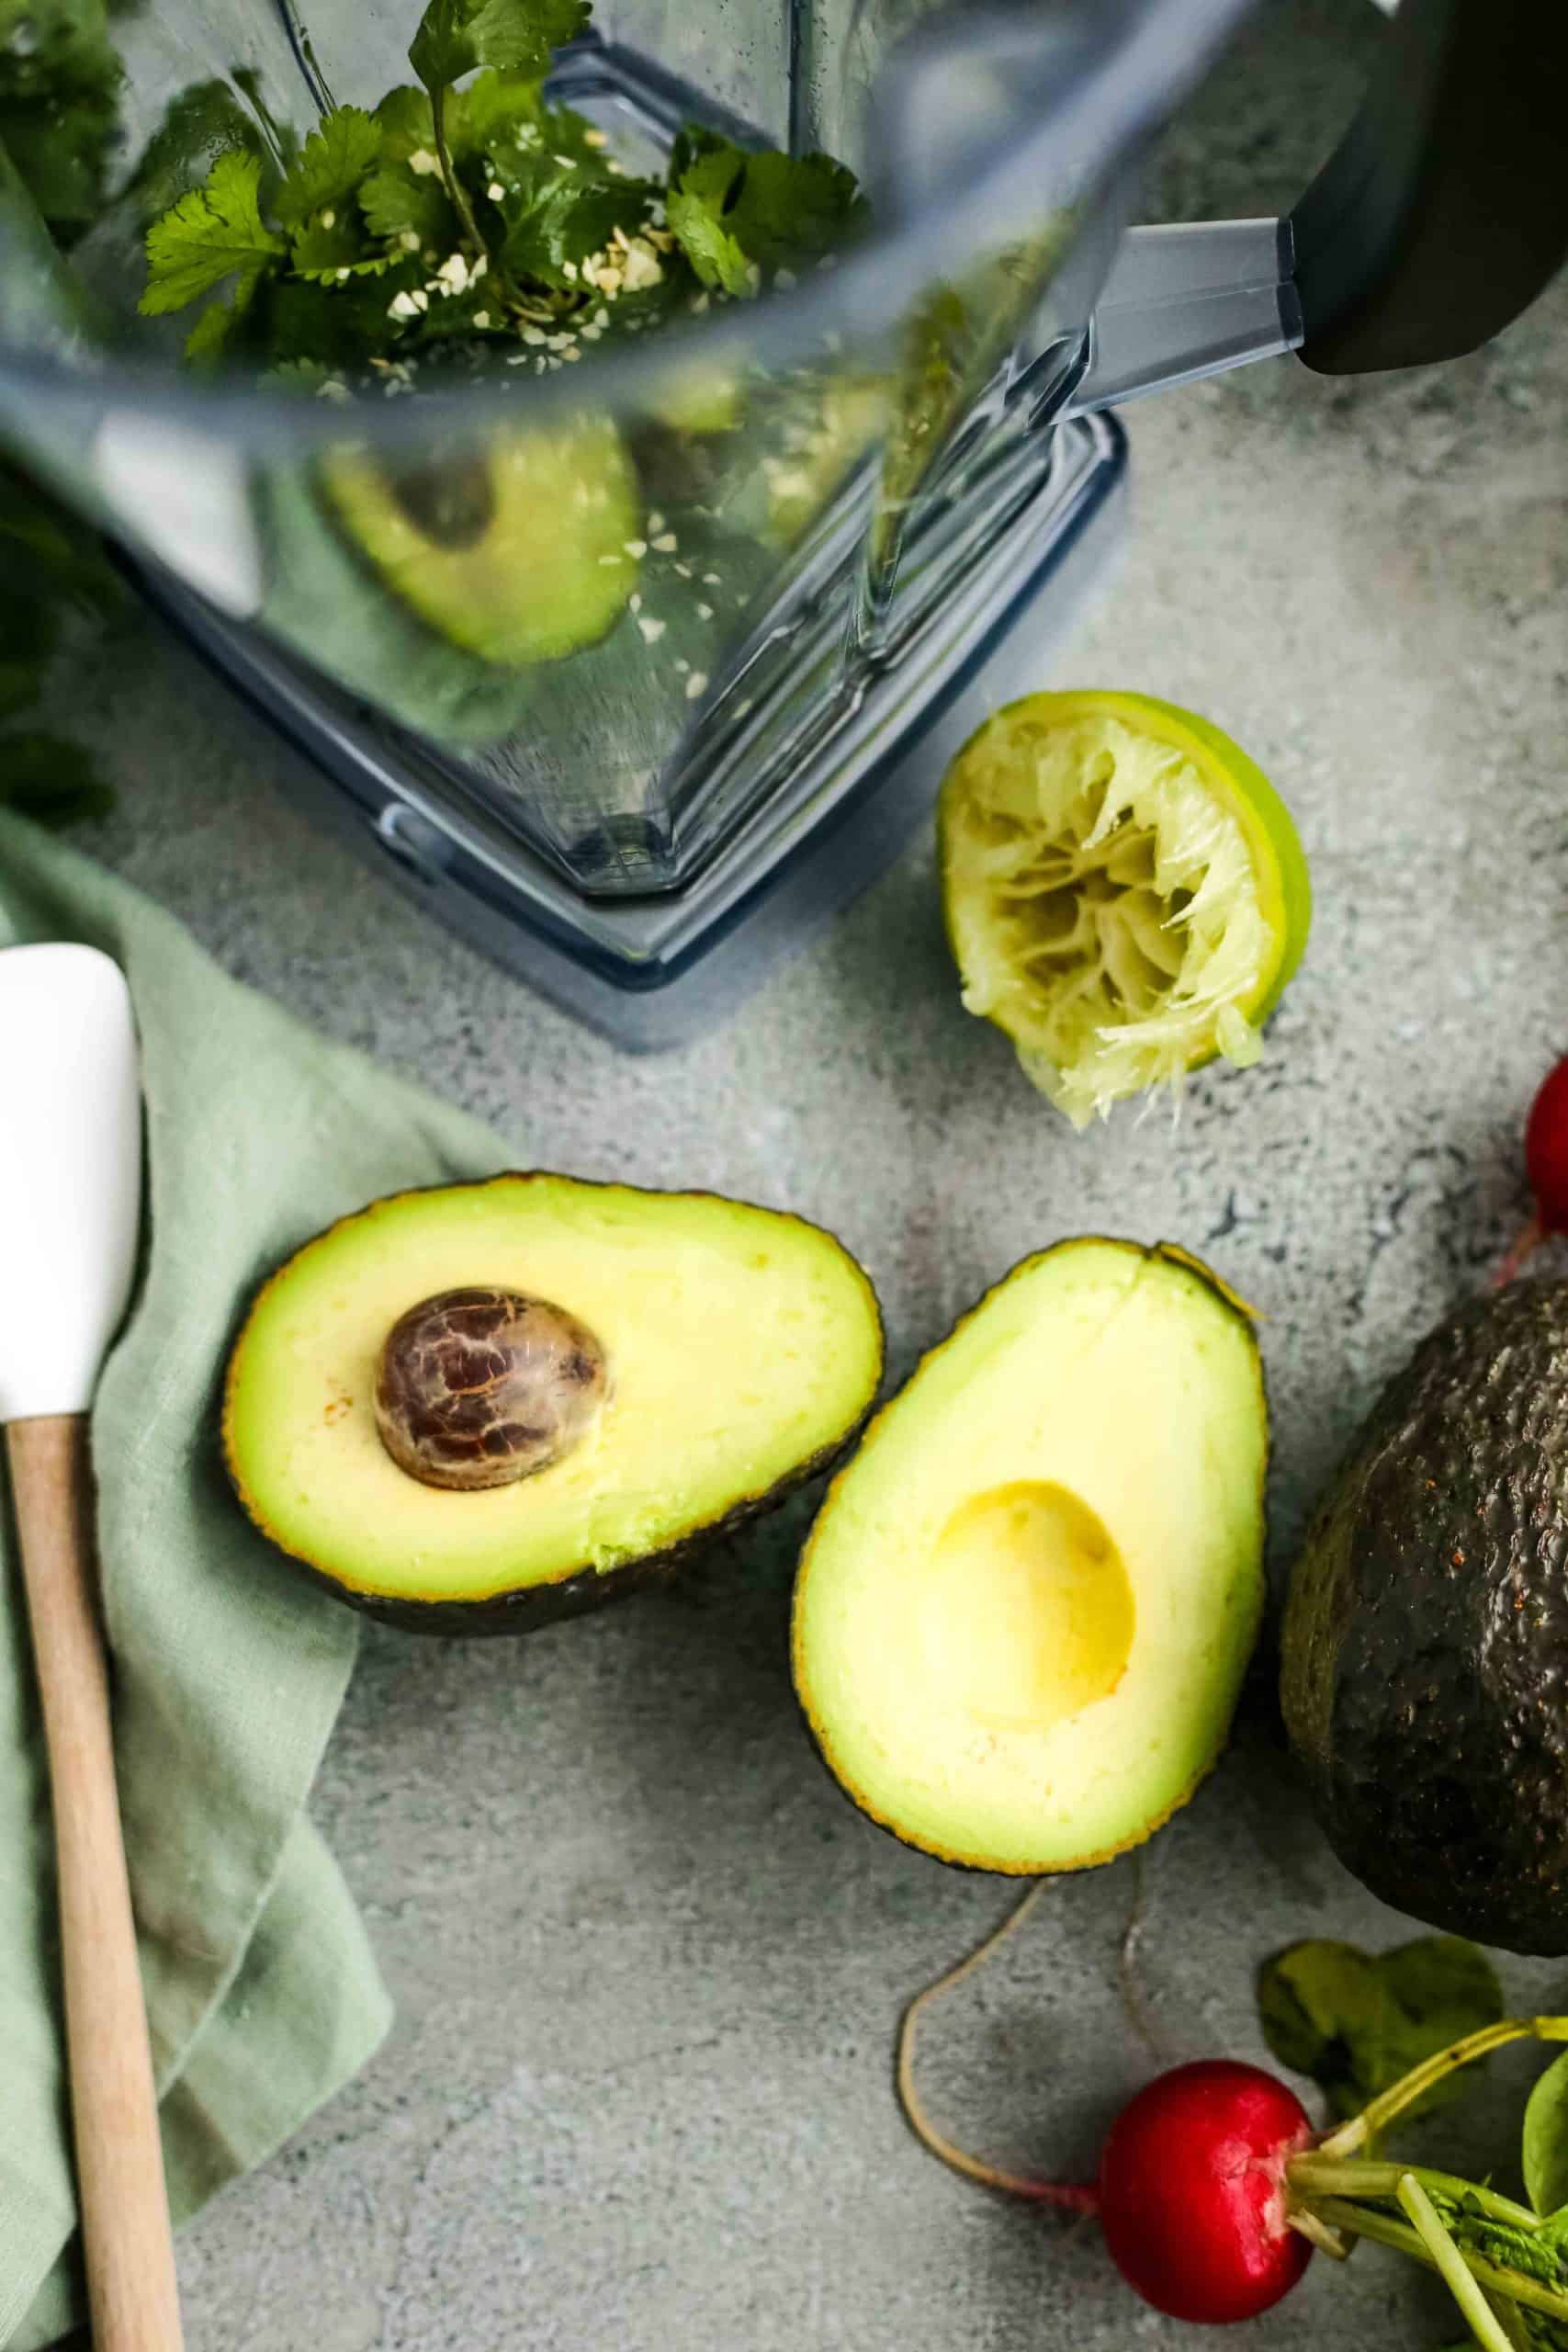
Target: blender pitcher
634, 656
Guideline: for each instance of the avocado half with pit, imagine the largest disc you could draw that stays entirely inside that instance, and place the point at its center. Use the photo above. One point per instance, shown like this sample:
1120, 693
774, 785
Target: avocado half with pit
1023, 1615
482, 1406
519, 548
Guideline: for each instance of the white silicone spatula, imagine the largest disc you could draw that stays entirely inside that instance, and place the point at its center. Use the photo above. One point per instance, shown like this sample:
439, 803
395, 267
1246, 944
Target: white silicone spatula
70, 1190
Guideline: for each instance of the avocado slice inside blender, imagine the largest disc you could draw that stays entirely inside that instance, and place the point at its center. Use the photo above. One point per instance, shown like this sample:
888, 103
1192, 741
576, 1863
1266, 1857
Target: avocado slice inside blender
518, 549
1022, 1619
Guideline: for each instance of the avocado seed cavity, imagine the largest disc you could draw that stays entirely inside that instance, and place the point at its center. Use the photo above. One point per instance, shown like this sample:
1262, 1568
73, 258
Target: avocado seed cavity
480, 1387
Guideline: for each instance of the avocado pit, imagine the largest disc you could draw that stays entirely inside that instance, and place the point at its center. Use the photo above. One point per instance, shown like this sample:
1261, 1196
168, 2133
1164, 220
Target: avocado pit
479, 1387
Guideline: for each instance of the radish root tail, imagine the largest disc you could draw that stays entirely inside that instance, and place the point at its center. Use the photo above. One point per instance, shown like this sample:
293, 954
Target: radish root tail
1525, 1246
1068, 2196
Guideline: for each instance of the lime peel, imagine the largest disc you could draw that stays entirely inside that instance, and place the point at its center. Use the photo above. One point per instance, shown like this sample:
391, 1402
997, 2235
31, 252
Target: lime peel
1125, 895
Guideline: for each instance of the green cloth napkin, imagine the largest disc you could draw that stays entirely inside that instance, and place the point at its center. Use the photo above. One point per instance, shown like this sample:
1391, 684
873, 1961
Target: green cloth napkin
262, 1991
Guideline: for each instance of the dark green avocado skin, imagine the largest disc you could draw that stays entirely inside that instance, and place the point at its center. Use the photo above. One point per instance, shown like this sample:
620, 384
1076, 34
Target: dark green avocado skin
1425, 1682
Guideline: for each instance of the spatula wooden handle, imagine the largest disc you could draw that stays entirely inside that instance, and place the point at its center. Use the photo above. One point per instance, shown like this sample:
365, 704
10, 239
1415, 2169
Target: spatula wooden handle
120, 2162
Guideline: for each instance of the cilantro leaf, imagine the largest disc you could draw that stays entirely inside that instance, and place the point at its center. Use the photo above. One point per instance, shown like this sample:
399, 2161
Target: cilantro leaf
457, 36
209, 235
324, 250
329, 165
199, 124
50, 780
59, 81
694, 209
405, 123
505, 111
399, 204
296, 376
337, 326
735, 211
793, 207
561, 220
1356, 2022
205, 344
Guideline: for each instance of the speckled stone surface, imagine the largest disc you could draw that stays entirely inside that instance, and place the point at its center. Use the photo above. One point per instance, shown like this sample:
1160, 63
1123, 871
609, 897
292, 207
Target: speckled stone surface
646, 1961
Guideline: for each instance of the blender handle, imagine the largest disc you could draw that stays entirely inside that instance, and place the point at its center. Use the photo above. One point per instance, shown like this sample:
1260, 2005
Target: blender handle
1444, 211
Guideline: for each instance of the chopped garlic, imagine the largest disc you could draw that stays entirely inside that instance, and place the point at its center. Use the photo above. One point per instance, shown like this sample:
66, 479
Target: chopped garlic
643, 267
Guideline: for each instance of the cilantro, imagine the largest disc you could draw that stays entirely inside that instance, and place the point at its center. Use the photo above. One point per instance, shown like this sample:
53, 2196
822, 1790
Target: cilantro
399, 204
59, 81
454, 36
464, 208
199, 124
209, 235
557, 220
211, 336
695, 213
405, 123
336, 324
329, 165
505, 110
297, 376
736, 213
325, 249
67, 578
793, 208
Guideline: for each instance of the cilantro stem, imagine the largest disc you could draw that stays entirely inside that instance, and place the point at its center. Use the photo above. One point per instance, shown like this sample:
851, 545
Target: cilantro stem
1476, 2311
1508, 2319
1360, 2220
1381, 2112
1315, 2175
1306, 2224
453, 185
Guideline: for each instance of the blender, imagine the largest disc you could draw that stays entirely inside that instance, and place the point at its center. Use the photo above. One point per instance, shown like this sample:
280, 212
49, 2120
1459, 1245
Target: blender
855, 509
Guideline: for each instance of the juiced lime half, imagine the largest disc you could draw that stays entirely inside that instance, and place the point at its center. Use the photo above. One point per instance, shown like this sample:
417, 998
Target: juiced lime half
1125, 893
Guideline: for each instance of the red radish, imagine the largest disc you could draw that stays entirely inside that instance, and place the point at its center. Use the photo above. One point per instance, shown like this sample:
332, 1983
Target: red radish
1191, 2188
1192, 2191
1546, 1150
1546, 1165
1214, 2187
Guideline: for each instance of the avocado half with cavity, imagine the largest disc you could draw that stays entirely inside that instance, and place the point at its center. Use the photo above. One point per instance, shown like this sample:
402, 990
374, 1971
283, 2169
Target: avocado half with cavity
1023, 1615
1425, 1646
482, 1406
519, 548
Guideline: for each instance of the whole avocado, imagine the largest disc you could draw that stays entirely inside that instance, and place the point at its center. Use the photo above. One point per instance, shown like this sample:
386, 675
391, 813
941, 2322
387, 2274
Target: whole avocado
1425, 1679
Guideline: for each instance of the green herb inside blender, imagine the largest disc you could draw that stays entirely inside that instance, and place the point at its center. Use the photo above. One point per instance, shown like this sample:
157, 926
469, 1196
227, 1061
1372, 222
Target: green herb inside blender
59, 82
67, 579
476, 216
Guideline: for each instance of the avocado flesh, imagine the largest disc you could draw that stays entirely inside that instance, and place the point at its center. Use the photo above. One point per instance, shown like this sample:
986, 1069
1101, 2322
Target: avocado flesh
1024, 1613
320, 602
1426, 1631
744, 1348
519, 551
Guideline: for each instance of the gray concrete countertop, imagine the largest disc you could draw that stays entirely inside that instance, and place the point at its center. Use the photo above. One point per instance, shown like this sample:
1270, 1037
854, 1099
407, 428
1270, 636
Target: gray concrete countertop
646, 1961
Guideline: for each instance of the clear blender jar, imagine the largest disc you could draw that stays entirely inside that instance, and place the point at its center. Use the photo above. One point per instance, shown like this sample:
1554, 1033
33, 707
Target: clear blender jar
633, 658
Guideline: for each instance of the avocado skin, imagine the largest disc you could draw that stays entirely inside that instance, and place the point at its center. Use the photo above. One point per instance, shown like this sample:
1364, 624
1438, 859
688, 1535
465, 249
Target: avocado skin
1425, 1633
526, 1609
